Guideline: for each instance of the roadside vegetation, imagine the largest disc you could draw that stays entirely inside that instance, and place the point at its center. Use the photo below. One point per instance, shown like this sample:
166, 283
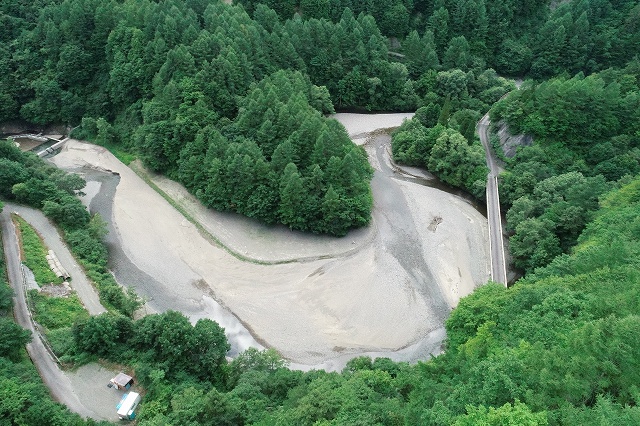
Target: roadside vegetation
587, 140
26, 179
35, 253
54, 313
6, 293
230, 100
23, 397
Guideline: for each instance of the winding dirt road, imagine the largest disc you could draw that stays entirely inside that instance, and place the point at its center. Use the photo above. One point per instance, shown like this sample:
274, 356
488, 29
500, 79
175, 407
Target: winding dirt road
55, 379
53, 240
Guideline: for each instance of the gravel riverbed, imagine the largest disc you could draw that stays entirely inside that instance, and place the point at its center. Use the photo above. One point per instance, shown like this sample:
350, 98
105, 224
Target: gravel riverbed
385, 290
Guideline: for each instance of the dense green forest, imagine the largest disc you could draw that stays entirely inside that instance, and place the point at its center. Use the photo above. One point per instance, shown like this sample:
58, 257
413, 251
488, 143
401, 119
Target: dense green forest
587, 138
229, 87
442, 135
231, 101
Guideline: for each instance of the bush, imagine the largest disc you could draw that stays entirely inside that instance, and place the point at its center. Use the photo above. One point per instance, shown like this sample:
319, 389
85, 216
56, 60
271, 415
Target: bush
35, 254
56, 312
62, 343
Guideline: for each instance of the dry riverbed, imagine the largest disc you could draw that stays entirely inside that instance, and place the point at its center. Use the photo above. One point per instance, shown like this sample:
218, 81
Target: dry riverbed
384, 290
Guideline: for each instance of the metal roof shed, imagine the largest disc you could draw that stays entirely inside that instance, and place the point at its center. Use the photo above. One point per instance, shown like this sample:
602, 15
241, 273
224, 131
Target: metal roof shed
122, 381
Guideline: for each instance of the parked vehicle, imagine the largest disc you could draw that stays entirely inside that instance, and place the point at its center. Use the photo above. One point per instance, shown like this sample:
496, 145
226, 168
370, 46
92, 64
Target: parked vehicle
127, 406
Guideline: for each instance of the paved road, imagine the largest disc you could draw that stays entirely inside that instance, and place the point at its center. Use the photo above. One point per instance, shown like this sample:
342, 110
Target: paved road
496, 244
85, 290
58, 384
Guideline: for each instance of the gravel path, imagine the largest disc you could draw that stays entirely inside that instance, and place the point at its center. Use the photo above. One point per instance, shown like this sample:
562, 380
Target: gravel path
49, 233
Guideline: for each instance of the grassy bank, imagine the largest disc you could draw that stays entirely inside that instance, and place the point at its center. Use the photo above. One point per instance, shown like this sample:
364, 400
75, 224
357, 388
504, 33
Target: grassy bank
34, 253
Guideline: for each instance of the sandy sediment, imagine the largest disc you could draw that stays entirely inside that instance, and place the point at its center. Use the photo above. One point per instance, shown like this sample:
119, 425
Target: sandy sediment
454, 241
359, 125
345, 296
259, 242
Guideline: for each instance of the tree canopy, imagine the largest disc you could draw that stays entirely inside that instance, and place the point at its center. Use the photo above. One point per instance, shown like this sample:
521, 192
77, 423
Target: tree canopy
156, 77
231, 101
586, 140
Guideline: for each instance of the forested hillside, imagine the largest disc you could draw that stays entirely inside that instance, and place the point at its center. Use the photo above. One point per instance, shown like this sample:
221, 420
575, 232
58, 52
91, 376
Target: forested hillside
172, 79
587, 138
230, 100
560, 347
514, 37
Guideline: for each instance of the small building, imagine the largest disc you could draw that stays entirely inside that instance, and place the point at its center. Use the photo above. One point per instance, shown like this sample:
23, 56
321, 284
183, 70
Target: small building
122, 381
127, 405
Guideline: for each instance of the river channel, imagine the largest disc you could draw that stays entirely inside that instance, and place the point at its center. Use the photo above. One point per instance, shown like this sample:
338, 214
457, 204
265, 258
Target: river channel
399, 238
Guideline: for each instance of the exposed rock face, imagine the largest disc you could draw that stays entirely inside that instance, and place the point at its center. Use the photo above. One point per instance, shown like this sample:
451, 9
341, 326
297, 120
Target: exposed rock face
15, 127
509, 142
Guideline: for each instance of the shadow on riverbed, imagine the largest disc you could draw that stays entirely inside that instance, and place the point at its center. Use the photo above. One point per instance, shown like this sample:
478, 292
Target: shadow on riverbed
128, 274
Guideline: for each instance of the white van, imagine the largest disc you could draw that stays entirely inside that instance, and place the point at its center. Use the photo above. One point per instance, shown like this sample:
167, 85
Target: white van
127, 405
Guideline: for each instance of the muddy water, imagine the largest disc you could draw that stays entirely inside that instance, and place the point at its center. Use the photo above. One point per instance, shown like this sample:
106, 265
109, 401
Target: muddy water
403, 245
100, 194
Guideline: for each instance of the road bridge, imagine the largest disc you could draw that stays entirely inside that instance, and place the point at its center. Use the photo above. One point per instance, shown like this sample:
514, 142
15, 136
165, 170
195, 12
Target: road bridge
496, 243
